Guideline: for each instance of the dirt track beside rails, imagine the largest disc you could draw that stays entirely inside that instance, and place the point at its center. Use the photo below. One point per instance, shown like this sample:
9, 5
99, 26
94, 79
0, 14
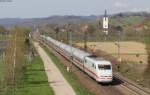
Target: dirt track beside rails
55, 78
98, 89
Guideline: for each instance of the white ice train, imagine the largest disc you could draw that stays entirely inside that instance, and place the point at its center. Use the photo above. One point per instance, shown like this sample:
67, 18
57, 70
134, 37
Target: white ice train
97, 68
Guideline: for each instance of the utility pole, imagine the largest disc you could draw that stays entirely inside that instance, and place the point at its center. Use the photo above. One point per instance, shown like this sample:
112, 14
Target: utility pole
14, 63
67, 30
84, 29
118, 44
85, 40
70, 42
119, 30
57, 31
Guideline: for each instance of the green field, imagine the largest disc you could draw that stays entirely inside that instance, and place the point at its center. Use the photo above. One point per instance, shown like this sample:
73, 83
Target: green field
70, 77
127, 20
35, 80
3, 37
1, 73
1, 65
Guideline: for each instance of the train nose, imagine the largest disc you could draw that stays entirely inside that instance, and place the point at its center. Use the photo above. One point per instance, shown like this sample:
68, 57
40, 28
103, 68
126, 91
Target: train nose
105, 79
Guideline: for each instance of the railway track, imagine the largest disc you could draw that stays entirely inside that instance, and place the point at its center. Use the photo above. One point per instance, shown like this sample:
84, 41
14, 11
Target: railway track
98, 89
136, 89
85, 80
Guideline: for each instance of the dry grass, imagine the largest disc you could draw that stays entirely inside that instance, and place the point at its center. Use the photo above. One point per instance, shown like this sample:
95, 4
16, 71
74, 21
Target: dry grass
130, 51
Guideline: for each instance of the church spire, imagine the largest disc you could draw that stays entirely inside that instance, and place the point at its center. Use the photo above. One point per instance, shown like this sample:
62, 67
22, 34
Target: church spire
105, 13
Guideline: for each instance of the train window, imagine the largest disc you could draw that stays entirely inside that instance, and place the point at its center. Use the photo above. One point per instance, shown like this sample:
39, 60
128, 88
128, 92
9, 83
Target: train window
104, 67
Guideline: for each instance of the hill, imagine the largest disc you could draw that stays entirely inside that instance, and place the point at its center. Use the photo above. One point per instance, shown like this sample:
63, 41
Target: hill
49, 20
70, 18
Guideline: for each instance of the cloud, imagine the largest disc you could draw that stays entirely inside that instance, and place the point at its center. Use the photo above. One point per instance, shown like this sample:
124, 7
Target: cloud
120, 4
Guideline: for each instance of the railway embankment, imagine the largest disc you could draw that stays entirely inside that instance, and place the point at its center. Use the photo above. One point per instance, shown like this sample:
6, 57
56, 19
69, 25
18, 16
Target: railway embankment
81, 82
55, 78
69, 76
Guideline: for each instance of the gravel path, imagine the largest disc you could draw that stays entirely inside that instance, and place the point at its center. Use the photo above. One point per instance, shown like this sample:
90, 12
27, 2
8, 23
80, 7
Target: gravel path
55, 78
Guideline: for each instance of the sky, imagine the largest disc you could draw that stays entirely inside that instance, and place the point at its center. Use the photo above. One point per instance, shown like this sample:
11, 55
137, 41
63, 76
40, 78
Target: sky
46, 8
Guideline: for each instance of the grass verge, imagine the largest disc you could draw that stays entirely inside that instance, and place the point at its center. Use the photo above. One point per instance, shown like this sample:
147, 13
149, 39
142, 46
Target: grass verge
1, 74
35, 80
70, 77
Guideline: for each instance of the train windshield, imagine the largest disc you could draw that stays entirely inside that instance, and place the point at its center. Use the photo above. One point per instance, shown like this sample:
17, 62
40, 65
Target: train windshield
104, 67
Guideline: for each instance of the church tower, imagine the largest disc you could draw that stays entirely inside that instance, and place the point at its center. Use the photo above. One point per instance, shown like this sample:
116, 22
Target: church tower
105, 23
